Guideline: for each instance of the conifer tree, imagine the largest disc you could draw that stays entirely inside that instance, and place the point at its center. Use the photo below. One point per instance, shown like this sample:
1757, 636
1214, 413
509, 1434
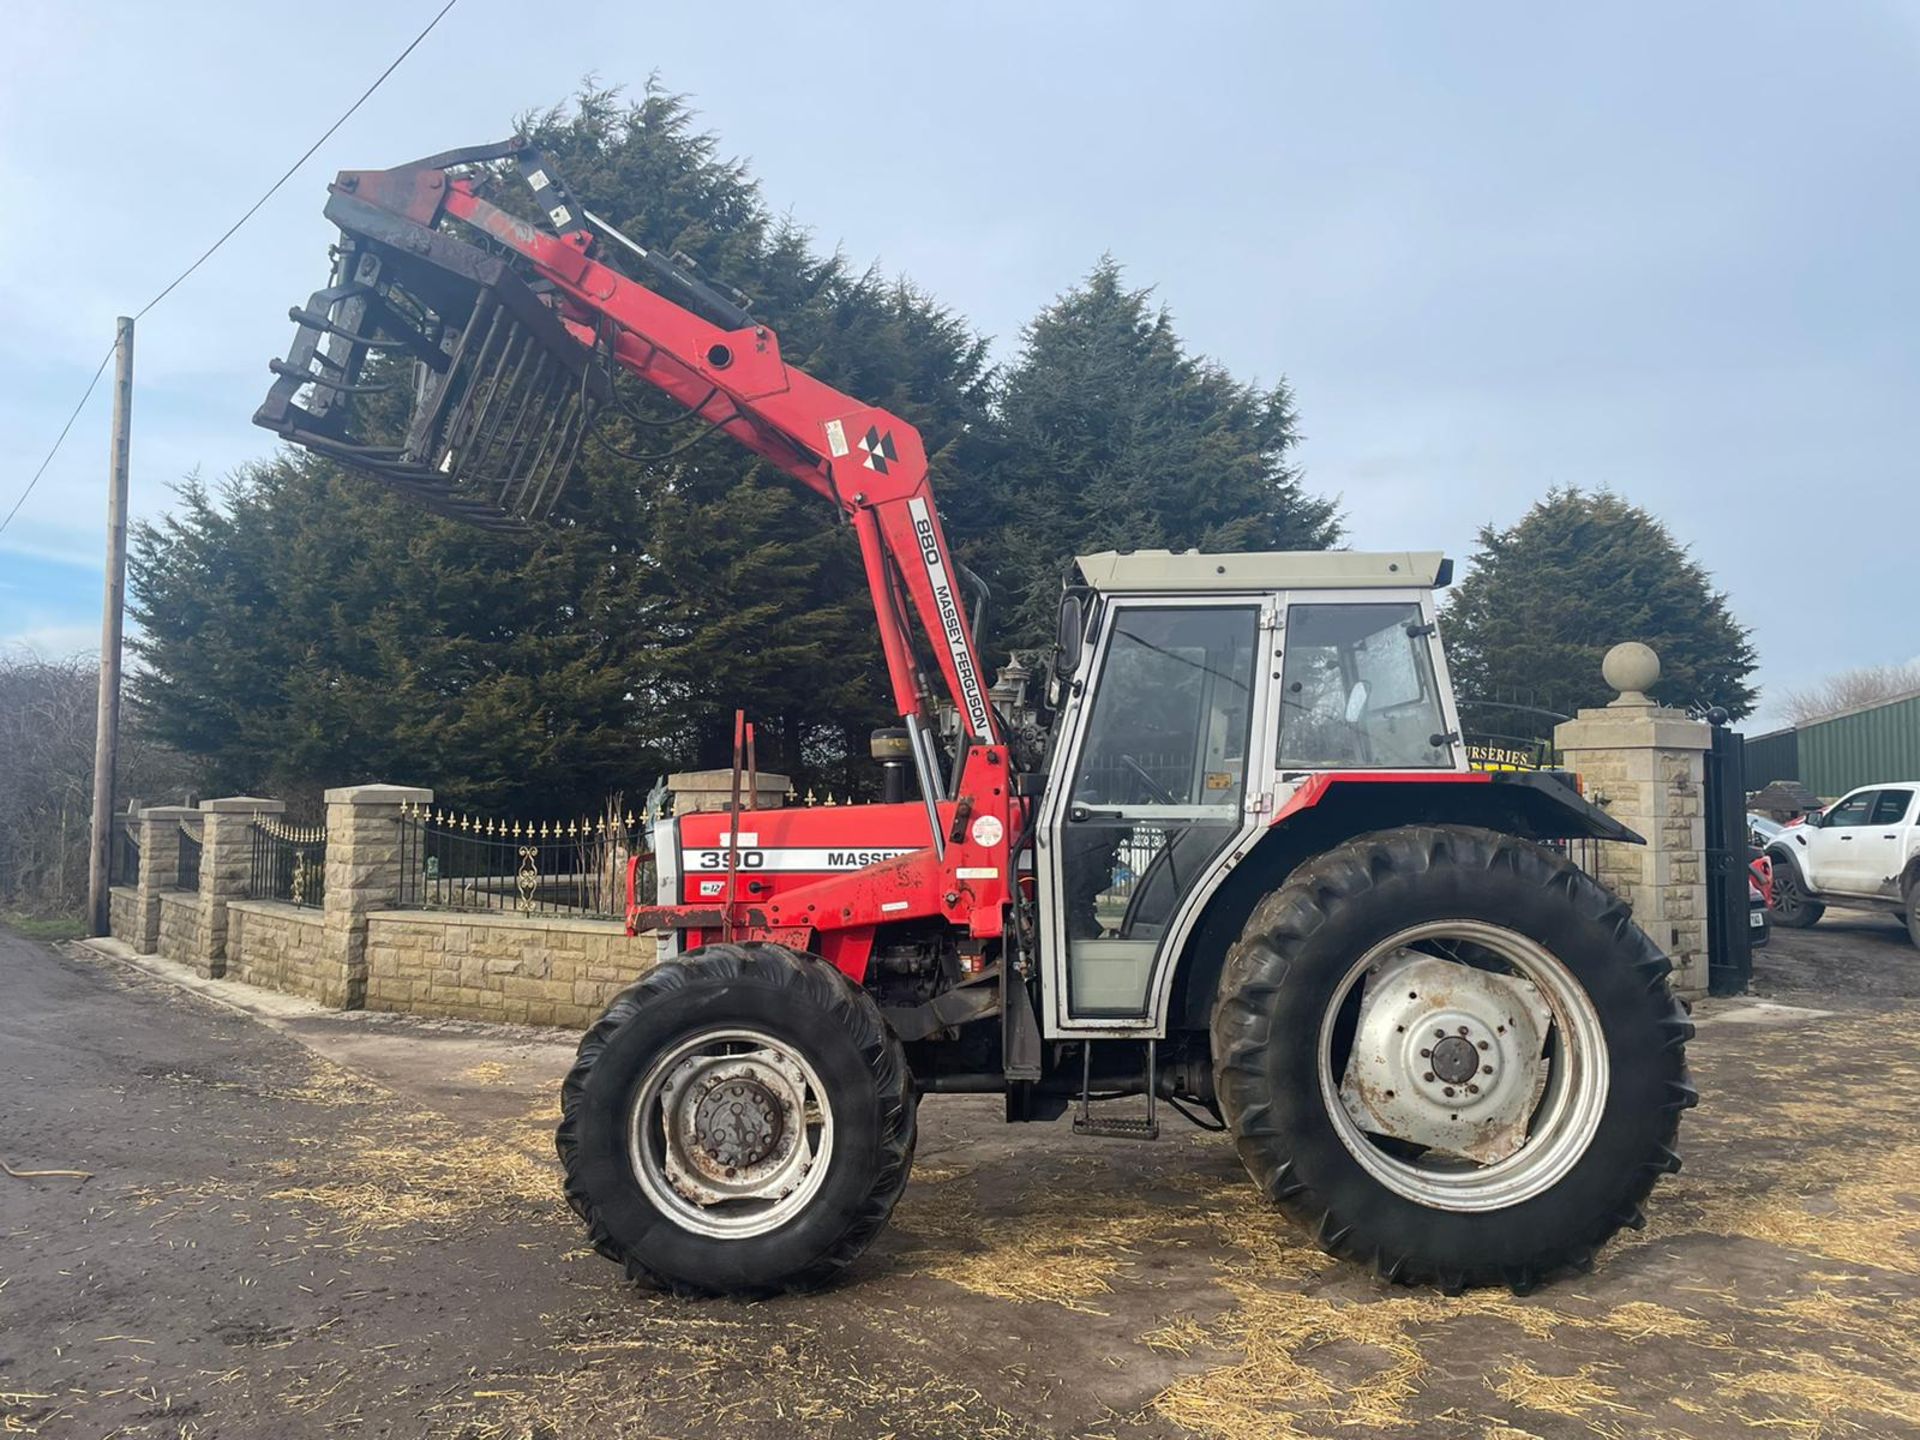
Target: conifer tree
1547, 597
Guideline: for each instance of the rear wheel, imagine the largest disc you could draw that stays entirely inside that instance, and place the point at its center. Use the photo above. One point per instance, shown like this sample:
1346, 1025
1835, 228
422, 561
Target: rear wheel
1792, 905
739, 1121
1452, 1055
1913, 908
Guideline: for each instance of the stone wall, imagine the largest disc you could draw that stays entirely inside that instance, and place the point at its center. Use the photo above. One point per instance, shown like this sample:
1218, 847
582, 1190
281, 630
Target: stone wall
282, 947
123, 914
529, 969
179, 925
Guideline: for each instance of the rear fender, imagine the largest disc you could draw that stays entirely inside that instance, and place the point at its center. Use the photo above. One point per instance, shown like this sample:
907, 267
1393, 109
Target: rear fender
1330, 809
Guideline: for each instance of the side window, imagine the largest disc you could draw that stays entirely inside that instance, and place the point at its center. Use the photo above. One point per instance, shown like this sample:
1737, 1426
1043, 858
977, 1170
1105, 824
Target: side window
1850, 812
1357, 689
1169, 725
1891, 807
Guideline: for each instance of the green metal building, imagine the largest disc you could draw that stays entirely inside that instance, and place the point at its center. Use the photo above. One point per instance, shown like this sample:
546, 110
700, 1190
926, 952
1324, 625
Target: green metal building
1842, 752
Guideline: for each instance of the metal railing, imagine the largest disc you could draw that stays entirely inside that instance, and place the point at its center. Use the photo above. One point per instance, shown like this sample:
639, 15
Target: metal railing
186, 874
123, 855
577, 867
288, 862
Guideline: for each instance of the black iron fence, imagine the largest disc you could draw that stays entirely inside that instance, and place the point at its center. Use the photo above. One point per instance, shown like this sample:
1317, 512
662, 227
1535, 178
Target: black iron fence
123, 854
577, 867
289, 862
186, 874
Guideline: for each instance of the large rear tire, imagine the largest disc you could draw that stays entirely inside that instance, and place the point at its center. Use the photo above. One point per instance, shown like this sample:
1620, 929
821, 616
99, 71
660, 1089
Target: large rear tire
740, 1121
1451, 1055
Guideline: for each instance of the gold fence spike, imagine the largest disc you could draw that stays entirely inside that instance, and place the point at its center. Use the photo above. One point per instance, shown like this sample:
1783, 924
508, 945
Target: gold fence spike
810, 799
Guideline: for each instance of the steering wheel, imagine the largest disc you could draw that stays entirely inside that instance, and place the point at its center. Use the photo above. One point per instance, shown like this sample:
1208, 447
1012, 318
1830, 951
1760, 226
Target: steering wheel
1154, 787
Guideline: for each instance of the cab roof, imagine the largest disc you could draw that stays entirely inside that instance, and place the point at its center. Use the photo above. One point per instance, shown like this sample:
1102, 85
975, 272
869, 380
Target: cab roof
1149, 571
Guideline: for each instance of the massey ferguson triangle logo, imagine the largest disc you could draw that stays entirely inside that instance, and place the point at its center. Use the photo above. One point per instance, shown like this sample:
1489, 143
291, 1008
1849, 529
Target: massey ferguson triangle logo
879, 449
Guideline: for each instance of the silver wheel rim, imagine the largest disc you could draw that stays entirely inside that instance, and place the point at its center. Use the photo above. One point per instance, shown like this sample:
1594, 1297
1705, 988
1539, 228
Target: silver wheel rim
1405, 1103
730, 1133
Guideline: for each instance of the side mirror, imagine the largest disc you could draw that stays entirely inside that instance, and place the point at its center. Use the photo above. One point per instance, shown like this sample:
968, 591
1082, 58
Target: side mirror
1067, 641
1814, 819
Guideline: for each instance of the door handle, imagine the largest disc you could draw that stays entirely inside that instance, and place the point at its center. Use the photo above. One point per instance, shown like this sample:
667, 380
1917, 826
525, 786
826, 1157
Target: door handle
1081, 812
1847, 838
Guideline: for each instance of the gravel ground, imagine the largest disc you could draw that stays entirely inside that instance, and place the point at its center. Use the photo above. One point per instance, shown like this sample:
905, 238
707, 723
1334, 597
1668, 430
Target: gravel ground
306, 1224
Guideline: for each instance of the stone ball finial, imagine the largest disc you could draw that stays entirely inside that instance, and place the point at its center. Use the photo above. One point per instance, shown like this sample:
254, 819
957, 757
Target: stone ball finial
1633, 669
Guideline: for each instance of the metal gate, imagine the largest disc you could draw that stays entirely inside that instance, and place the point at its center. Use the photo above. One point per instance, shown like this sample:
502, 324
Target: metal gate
1729, 940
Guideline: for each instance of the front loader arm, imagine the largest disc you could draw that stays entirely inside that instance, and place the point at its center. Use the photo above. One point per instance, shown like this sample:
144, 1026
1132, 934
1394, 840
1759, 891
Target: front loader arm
676, 334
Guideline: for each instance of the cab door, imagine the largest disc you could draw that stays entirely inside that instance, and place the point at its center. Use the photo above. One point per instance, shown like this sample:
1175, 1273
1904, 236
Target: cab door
1879, 847
1159, 761
1836, 861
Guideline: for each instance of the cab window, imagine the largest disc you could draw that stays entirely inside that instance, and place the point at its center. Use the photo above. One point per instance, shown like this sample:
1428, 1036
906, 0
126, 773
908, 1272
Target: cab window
1850, 812
1357, 689
1891, 807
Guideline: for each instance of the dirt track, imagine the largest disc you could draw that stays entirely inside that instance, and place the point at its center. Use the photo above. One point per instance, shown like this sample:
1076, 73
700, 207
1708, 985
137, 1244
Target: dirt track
274, 1244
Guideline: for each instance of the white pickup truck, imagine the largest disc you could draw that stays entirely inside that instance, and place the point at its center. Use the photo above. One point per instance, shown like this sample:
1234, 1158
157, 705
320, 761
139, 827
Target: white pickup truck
1863, 850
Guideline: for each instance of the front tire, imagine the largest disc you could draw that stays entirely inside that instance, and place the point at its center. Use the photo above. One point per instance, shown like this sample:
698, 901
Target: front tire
740, 1121
1792, 905
1452, 1055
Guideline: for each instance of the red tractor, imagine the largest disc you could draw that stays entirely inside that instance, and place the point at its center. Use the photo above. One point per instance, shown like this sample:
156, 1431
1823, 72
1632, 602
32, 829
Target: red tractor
1227, 854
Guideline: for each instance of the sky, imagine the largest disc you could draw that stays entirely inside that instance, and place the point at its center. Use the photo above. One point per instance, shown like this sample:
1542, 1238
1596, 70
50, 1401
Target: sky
1672, 249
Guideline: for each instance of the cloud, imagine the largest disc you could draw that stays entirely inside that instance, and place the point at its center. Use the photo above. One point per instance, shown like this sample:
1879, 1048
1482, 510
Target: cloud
54, 641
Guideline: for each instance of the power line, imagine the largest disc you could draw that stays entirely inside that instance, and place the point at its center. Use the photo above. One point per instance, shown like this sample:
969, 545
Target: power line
230, 232
99, 370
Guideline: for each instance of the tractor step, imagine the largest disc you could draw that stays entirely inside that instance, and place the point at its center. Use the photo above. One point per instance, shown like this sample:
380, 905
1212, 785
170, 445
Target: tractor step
1084, 1121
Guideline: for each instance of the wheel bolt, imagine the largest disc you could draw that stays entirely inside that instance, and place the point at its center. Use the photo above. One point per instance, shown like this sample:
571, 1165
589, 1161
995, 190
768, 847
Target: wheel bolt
1484, 1045
1486, 1069
1463, 1030
1448, 1092
1425, 1054
1473, 1089
1439, 1034
1428, 1077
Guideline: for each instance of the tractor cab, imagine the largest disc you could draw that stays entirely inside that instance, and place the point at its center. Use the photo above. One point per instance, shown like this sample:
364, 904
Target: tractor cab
1196, 693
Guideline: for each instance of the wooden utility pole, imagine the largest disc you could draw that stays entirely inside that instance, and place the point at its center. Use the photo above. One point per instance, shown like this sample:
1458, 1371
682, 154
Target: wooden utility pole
106, 735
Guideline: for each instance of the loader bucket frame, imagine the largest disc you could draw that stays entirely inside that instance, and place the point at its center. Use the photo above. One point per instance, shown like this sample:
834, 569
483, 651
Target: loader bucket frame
500, 395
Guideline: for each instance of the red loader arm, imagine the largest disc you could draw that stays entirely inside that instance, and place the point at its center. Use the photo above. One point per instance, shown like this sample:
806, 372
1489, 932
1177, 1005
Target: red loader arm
479, 403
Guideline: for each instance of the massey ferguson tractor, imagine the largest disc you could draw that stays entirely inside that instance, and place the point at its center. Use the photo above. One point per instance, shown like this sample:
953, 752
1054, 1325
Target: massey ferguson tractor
1226, 855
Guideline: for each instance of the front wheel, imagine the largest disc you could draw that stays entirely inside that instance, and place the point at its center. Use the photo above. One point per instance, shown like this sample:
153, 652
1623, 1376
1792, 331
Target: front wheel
739, 1121
1792, 905
1450, 1054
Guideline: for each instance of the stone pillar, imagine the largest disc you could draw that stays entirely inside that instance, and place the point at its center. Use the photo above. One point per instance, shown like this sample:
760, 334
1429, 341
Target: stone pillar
226, 868
1646, 765
158, 830
695, 790
363, 874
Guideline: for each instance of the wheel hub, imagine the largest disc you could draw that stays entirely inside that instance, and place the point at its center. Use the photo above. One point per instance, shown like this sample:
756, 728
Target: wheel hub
1447, 1056
738, 1123
734, 1127
1454, 1059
